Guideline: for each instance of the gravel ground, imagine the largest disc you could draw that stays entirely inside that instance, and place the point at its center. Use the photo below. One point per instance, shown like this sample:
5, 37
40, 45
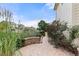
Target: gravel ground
43, 49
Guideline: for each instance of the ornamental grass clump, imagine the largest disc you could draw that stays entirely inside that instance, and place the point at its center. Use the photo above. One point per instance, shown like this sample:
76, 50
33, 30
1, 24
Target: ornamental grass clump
7, 43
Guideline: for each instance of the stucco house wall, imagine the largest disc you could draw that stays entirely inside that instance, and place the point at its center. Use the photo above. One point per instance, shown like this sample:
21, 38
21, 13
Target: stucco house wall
68, 12
64, 13
58, 12
75, 15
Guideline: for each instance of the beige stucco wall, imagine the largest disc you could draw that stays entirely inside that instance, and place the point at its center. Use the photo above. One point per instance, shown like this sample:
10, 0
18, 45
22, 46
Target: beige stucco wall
64, 13
67, 13
58, 12
75, 15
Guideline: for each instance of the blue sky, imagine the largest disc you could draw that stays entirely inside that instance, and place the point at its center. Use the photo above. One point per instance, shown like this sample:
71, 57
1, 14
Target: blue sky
31, 13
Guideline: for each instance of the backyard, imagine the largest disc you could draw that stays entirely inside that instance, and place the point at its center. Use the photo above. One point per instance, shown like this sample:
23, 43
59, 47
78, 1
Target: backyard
39, 37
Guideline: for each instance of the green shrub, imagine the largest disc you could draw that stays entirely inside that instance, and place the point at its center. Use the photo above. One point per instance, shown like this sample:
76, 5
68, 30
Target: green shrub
7, 43
55, 31
74, 35
74, 32
29, 32
19, 43
42, 27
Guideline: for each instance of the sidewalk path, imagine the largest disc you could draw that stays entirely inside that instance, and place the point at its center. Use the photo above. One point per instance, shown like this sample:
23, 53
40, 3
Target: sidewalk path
43, 49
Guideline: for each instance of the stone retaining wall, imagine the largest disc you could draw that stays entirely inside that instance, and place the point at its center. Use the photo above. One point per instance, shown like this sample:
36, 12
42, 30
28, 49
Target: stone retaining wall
32, 40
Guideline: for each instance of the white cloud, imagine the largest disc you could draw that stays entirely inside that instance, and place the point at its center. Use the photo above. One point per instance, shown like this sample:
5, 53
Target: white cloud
34, 23
17, 18
30, 23
50, 5
25, 21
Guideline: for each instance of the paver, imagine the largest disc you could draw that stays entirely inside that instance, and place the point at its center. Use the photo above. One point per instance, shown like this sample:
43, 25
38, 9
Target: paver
43, 49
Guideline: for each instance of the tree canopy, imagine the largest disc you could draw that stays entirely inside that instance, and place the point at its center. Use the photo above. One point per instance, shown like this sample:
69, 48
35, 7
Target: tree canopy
42, 27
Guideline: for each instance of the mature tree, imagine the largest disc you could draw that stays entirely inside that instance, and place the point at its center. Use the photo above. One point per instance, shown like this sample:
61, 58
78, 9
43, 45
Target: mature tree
42, 27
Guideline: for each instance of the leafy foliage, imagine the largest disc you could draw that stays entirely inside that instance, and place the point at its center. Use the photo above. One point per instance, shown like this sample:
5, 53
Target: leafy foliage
74, 32
42, 27
7, 37
74, 35
12, 34
55, 31
7, 43
27, 32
